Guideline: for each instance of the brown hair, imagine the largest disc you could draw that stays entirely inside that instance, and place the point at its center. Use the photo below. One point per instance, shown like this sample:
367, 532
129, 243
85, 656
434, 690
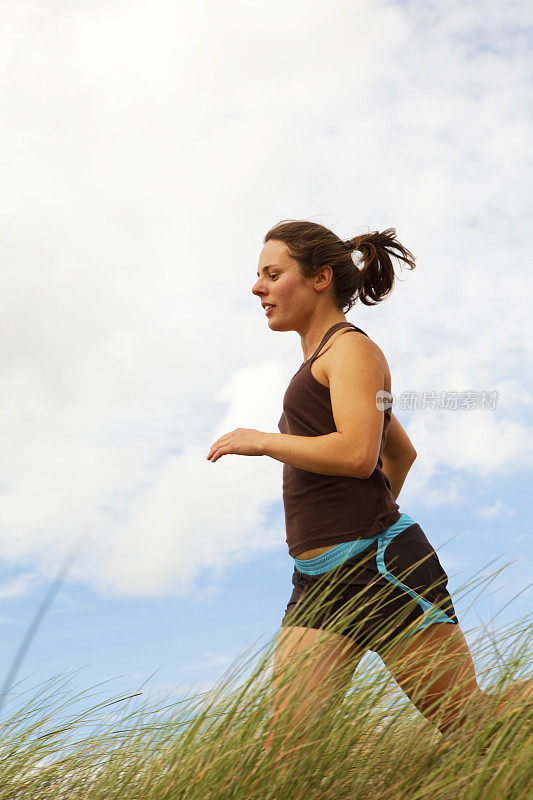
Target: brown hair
315, 247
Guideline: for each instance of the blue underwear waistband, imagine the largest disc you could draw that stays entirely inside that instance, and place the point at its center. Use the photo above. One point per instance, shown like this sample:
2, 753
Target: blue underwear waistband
340, 552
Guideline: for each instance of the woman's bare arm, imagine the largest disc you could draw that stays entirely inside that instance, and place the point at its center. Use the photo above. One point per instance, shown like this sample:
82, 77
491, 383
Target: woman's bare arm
397, 444
398, 456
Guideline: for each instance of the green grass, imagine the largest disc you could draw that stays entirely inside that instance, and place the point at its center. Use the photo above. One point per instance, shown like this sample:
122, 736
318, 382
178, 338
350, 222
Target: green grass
374, 744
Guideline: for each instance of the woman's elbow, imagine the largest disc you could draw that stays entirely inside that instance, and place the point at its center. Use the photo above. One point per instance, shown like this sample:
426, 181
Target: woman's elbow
365, 469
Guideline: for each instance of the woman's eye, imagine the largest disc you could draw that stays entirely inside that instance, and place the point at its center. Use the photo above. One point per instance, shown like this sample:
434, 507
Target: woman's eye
274, 276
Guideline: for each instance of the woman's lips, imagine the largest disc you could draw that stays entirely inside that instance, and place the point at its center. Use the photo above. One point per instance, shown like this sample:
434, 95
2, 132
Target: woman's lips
267, 312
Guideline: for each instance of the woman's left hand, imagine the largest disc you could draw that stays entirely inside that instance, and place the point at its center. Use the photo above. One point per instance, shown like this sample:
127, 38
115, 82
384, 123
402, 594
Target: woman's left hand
240, 442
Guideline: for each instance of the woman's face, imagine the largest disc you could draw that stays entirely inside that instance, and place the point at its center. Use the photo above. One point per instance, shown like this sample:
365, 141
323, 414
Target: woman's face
281, 284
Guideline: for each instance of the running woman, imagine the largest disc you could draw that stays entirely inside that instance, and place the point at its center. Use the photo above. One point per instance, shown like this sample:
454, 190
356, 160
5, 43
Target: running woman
345, 459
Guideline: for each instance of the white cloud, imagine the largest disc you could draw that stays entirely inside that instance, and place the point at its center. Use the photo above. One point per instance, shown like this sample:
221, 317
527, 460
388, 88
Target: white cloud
455, 445
17, 587
497, 510
150, 148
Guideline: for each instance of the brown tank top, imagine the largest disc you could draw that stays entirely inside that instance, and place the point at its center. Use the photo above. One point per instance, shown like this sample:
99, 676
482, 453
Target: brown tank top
322, 510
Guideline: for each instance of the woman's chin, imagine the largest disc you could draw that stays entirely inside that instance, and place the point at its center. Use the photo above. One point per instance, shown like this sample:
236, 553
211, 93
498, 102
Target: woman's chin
277, 325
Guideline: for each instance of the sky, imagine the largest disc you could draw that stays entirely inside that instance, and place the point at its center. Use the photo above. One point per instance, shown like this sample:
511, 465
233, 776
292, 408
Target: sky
147, 147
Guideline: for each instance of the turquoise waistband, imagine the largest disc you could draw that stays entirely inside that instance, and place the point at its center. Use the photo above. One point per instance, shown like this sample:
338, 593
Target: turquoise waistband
340, 552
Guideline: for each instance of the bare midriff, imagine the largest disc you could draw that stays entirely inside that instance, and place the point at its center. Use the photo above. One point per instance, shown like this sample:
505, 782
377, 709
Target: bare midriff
317, 551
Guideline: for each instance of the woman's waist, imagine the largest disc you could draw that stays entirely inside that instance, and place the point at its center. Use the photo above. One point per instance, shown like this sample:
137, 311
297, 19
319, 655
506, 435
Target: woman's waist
337, 553
321, 534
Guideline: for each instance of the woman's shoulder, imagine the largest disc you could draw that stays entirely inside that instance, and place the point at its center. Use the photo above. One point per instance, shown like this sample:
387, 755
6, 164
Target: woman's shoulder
357, 344
349, 344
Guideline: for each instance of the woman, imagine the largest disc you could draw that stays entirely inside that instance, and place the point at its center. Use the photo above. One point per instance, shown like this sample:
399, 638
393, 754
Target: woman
345, 458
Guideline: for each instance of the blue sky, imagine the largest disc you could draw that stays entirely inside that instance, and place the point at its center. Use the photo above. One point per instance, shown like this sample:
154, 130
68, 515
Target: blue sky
151, 146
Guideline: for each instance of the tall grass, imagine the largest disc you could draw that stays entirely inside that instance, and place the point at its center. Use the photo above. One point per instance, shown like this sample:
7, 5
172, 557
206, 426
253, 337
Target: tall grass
372, 743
